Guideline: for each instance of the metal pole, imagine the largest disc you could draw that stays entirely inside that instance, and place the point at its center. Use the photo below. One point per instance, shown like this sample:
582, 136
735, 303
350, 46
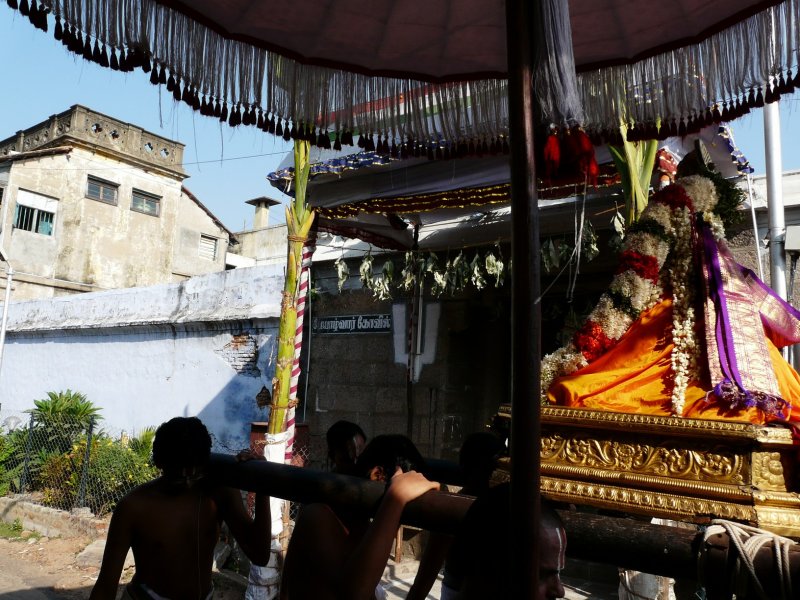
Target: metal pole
526, 315
85, 469
777, 224
24, 479
755, 227
4, 321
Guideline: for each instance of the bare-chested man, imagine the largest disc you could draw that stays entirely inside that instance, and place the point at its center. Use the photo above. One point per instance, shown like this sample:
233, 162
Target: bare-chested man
336, 555
172, 523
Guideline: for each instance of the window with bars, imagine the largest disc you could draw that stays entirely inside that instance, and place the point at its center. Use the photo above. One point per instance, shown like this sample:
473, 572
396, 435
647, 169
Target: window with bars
208, 247
102, 190
143, 202
34, 219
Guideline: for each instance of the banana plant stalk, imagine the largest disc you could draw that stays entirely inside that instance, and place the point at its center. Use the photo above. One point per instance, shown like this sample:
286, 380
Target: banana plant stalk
299, 218
634, 161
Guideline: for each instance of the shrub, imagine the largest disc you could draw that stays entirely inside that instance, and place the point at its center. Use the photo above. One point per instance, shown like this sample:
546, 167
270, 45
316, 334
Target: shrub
113, 471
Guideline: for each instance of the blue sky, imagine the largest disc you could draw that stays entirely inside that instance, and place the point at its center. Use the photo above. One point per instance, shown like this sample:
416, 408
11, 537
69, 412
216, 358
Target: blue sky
226, 165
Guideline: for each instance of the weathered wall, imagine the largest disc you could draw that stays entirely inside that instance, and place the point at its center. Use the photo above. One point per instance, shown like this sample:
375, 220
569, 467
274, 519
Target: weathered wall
203, 347
192, 222
266, 246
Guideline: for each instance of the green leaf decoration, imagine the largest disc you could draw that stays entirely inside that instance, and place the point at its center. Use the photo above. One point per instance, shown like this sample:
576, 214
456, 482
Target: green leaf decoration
476, 273
365, 271
342, 272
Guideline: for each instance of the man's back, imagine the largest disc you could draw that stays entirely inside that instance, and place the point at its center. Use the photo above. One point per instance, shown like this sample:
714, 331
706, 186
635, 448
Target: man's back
182, 525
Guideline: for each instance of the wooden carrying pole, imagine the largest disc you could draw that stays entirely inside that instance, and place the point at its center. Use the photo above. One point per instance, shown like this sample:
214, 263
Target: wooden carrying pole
641, 546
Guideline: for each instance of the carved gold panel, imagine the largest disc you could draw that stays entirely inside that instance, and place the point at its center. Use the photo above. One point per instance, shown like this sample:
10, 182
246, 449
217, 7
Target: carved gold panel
682, 469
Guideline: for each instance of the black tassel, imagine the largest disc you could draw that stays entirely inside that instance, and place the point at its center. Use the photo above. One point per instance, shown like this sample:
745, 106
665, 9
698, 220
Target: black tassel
751, 99
196, 105
186, 96
260, 120
43, 12
154, 75
233, 121
403, 151
176, 92
170, 83
104, 57
279, 129
320, 139
96, 52
77, 42
223, 114
290, 135
337, 143
271, 125
66, 37
162, 75
12, 4
217, 108
771, 95
58, 32
23, 8
785, 85
796, 80
286, 133
760, 99
506, 147
362, 142
124, 62
204, 107
438, 154
724, 116
447, 153
394, 151
87, 49
112, 61
429, 152
682, 128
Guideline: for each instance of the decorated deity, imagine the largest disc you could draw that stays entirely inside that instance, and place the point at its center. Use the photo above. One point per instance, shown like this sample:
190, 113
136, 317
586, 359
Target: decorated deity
683, 330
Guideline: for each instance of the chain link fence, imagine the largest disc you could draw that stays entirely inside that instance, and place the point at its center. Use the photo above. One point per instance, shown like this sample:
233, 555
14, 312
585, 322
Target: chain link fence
67, 463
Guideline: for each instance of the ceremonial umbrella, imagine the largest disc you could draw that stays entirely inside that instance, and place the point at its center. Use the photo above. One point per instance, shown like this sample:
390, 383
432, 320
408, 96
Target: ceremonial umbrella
381, 67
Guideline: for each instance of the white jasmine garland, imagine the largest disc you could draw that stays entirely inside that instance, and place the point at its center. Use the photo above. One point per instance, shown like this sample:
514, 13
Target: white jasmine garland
648, 245
661, 214
701, 190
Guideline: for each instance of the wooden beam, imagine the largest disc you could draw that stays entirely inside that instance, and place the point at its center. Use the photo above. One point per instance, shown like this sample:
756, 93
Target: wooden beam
626, 543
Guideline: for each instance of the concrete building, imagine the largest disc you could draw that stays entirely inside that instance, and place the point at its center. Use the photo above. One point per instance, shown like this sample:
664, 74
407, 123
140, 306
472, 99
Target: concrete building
91, 203
264, 244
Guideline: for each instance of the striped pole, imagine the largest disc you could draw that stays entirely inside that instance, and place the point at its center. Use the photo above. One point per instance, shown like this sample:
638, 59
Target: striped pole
305, 268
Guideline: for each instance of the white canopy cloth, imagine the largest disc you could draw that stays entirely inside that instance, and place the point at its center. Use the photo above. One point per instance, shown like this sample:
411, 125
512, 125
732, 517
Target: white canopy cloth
385, 66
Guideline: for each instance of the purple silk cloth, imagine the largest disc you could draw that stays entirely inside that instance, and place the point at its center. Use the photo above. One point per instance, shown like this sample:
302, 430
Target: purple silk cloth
740, 312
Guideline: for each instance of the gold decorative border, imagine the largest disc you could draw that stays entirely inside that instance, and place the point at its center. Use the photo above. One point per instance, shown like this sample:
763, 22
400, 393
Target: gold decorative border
654, 424
650, 482
655, 504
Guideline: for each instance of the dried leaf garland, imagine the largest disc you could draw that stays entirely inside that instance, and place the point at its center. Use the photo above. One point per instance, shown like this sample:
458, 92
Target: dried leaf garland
342, 272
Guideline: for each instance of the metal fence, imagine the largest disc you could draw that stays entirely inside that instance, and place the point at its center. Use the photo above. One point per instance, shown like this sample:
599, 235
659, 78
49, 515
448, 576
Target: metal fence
69, 463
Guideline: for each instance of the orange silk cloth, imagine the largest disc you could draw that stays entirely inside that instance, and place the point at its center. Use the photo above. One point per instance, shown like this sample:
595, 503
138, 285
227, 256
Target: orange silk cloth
633, 377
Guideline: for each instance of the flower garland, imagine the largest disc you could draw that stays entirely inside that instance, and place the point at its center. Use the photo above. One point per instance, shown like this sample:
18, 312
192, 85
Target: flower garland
663, 232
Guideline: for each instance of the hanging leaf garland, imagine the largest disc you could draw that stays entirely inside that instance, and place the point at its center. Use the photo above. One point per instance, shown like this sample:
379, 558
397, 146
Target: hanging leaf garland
365, 271
476, 273
342, 272
460, 273
494, 268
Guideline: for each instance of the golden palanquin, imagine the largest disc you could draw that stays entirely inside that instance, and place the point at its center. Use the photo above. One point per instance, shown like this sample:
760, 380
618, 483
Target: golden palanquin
683, 469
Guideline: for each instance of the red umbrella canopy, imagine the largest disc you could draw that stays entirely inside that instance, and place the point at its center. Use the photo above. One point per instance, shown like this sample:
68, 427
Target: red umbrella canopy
434, 69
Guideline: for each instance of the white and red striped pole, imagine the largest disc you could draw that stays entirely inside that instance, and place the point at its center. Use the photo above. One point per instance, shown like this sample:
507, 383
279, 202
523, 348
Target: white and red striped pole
302, 296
